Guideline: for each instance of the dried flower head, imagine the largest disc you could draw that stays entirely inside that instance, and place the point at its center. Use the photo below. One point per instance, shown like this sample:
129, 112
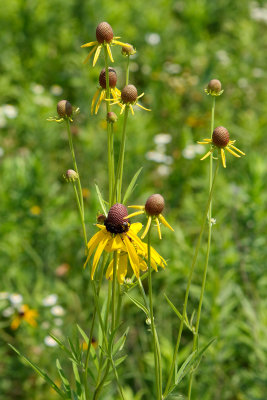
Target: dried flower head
128, 50
221, 140
153, 208
118, 235
104, 37
129, 97
112, 78
64, 108
214, 88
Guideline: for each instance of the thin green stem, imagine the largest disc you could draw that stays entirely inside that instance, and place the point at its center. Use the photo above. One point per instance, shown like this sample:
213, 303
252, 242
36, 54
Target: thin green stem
80, 213
127, 71
157, 355
195, 340
189, 283
119, 172
113, 300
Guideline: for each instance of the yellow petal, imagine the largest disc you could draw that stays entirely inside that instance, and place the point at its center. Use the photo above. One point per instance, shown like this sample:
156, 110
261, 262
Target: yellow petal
232, 152
109, 52
98, 253
235, 148
89, 55
96, 55
223, 158
143, 265
109, 272
120, 43
122, 268
136, 227
93, 242
133, 257
206, 155
15, 323
137, 207
139, 105
163, 220
202, 142
89, 44
134, 214
94, 100
131, 108
147, 227
101, 98
137, 241
158, 227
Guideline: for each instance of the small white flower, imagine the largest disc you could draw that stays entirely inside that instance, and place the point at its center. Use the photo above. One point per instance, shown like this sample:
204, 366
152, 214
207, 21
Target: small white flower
172, 68
152, 38
50, 300
58, 322
45, 325
162, 138
163, 170
15, 298
56, 90
8, 312
57, 311
37, 89
4, 295
190, 151
2, 121
10, 111
50, 342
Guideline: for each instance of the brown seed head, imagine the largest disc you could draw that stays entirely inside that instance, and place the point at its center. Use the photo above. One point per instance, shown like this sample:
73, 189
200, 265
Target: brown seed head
64, 108
111, 75
128, 50
115, 222
112, 117
104, 32
214, 86
220, 137
154, 204
129, 94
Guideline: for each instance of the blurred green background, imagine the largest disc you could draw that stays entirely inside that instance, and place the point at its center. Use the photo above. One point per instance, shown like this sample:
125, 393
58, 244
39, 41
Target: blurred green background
181, 45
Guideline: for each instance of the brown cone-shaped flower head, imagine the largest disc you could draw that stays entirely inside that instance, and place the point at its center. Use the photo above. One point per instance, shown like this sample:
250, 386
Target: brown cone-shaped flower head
104, 32
128, 50
64, 108
214, 86
115, 222
220, 137
112, 78
129, 94
154, 204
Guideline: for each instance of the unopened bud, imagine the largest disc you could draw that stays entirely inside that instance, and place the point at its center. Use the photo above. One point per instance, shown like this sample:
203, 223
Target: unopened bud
101, 218
112, 117
71, 175
64, 108
128, 50
214, 88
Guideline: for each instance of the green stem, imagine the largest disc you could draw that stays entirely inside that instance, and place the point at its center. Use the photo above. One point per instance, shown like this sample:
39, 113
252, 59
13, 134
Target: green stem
119, 172
127, 71
157, 355
81, 214
195, 341
113, 300
189, 283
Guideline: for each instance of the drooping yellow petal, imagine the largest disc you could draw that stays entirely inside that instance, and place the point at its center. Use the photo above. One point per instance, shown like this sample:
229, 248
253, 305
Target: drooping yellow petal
139, 105
115, 243
134, 214
122, 107
89, 55
94, 100
15, 323
206, 155
109, 271
93, 242
98, 253
97, 54
203, 142
101, 98
133, 257
122, 268
158, 227
137, 241
163, 220
232, 152
141, 95
223, 158
114, 41
236, 149
89, 44
109, 53
143, 265
131, 108
147, 227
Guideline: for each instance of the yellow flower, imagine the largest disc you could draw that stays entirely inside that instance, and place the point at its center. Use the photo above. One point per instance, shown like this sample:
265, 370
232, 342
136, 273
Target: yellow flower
153, 208
102, 89
129, 97
24, 314
104, 36
118, 235
221, 140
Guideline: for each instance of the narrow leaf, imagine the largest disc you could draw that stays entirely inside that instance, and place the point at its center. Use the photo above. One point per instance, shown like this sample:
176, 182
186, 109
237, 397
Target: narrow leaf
131, 186
61, 345
101, 200
118, 346
40, 372
138, 304
179, 315
65, 381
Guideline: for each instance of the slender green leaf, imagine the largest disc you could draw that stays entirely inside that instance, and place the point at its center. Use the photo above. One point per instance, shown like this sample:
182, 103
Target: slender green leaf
118, 346
120, 360
61, 345
85, 337
138, 304
77, 379
101, 200
179, 315
40, 372
131, 186
64, 379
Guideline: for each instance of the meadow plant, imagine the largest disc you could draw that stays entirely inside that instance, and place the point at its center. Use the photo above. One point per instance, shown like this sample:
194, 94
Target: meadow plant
117, 253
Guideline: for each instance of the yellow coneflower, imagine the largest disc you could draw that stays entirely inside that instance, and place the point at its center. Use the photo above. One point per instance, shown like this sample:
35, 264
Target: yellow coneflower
102, 89
118, 235
221, 141
153, 208
104, 37
24, 314
129, 97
